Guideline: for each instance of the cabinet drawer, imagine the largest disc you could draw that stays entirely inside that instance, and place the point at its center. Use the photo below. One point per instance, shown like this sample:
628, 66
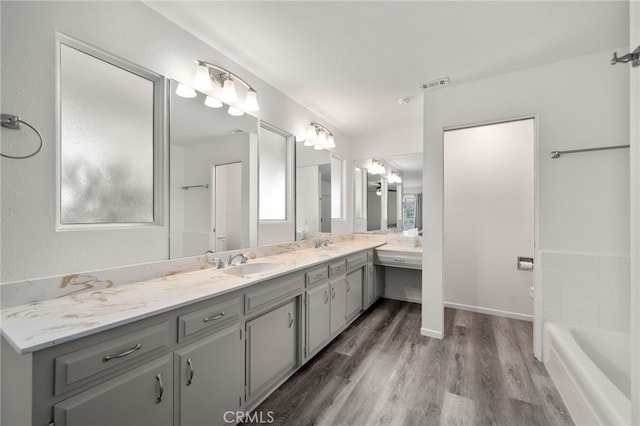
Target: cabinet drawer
337, 268
76, 368
356, 261
272, 291
210, 318
410, 260
316, 276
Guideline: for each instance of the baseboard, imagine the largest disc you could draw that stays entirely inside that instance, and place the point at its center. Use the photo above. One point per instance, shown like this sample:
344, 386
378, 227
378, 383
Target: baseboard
489, 311
403, 298
431, 333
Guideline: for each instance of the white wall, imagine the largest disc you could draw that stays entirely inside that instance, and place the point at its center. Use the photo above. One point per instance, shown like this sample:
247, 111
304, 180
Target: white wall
584, 202
31, 247
395, 142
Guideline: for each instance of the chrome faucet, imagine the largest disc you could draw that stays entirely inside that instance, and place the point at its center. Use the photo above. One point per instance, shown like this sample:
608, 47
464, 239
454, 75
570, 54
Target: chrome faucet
322, 243
243, 258
214, 260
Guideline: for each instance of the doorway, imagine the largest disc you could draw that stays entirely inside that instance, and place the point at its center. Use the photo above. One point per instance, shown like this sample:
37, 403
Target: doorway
489, 216
226, 220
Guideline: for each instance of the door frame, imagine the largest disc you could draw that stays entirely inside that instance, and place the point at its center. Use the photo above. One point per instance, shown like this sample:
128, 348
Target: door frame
537, 300
212, 203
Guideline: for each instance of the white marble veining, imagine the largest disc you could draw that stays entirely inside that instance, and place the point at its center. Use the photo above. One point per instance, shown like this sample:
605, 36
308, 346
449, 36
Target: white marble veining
46, 323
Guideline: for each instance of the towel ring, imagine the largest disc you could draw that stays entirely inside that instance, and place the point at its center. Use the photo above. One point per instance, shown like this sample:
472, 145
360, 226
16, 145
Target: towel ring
13, 122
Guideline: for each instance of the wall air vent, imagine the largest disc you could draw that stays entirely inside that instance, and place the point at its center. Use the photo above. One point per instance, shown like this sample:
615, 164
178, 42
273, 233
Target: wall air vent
434, 84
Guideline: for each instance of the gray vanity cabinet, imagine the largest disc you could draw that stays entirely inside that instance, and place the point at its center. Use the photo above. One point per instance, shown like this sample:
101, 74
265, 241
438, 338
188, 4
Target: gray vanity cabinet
141, 396
318, 317
338, 303
272, 348
209, 373
355, 285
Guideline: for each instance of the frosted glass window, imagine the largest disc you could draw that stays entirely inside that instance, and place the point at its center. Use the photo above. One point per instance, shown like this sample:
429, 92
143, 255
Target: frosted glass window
272, 160
336, 188
360, 179
106, 142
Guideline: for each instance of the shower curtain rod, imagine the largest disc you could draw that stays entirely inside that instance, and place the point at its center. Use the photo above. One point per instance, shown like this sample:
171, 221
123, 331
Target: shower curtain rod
556, 154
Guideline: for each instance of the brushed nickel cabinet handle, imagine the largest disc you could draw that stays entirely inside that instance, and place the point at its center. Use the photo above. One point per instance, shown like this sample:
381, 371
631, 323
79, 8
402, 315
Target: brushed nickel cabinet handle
333, 293
326, 297
123, 354
160, 388
215, 317
190, 365
290, 320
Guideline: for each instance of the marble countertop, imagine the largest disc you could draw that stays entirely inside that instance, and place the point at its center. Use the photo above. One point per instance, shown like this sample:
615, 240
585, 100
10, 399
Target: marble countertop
392, 246
39, 325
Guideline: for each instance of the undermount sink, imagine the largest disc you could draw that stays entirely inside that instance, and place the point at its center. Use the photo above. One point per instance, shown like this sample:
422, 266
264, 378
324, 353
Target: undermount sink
250, 268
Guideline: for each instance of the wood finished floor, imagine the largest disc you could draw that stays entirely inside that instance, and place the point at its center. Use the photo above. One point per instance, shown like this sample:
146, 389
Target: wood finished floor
381, 371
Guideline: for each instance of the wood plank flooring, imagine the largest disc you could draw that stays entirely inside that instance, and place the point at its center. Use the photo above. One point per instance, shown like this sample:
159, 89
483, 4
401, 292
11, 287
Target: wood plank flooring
381, 371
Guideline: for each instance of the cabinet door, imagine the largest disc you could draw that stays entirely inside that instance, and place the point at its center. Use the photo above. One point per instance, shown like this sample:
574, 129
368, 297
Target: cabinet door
143, 396
338, 304
318, 317
370, 293
209, 372
354, 292
271, 347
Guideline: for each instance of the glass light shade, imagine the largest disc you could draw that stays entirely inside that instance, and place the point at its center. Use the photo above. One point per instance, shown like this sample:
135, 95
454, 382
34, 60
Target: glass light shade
331, 143
379, 192
229, 94
311, 133
235, 111
185, 91
251, 101
299, 138
308, 142
212, 102
202, 81
322, 139
318, 147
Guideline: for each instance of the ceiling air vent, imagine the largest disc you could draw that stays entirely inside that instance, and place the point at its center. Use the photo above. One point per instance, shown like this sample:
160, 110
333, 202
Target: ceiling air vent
433, 84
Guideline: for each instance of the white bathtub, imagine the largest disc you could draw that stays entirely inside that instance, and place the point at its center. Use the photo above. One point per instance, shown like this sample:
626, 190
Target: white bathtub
591, 369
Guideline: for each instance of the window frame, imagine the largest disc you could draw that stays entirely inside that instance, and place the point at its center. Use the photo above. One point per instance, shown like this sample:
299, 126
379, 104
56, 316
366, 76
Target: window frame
160, 94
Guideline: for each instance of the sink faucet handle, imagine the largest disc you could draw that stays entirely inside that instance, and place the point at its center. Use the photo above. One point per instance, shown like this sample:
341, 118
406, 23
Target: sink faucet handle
214, 260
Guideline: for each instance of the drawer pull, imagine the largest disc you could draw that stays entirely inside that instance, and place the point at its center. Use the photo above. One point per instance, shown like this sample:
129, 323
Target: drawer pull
190, 365
290, 320
399, 260
326, 297
160, 388
333, 293
123, 354
213, 318
318, 276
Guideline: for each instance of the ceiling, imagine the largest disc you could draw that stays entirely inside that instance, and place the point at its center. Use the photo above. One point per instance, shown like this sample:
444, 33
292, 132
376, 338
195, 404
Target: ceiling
351, 61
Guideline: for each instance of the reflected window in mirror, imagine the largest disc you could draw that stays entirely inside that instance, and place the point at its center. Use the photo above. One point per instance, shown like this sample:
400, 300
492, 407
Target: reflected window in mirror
110, 139
360, 192
273, 157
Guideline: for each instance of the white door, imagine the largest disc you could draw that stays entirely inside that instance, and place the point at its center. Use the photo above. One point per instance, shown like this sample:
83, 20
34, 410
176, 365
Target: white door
489, 217
227, 204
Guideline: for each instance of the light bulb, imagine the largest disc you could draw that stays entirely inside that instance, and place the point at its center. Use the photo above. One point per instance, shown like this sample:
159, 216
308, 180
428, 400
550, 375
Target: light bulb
229, 94
331, 142
311, 133
212, 102
251, 101
202, 80
235, 111
185, 91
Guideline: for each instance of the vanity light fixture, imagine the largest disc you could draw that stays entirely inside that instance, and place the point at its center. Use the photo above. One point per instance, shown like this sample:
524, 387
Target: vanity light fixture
235, 111
212, 102
377, 167
210, 77
318, 136
185, 91
394, 177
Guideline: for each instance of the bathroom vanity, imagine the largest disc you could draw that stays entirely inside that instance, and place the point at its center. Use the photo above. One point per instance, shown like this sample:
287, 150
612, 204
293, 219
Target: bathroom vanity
184, 349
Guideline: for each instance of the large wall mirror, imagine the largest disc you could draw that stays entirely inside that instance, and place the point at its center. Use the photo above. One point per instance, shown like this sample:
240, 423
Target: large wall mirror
213, 178
318, 192
387, 193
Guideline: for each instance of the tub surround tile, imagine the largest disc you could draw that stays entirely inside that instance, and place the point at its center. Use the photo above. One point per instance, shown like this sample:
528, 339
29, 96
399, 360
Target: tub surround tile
586, 289
96, 303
